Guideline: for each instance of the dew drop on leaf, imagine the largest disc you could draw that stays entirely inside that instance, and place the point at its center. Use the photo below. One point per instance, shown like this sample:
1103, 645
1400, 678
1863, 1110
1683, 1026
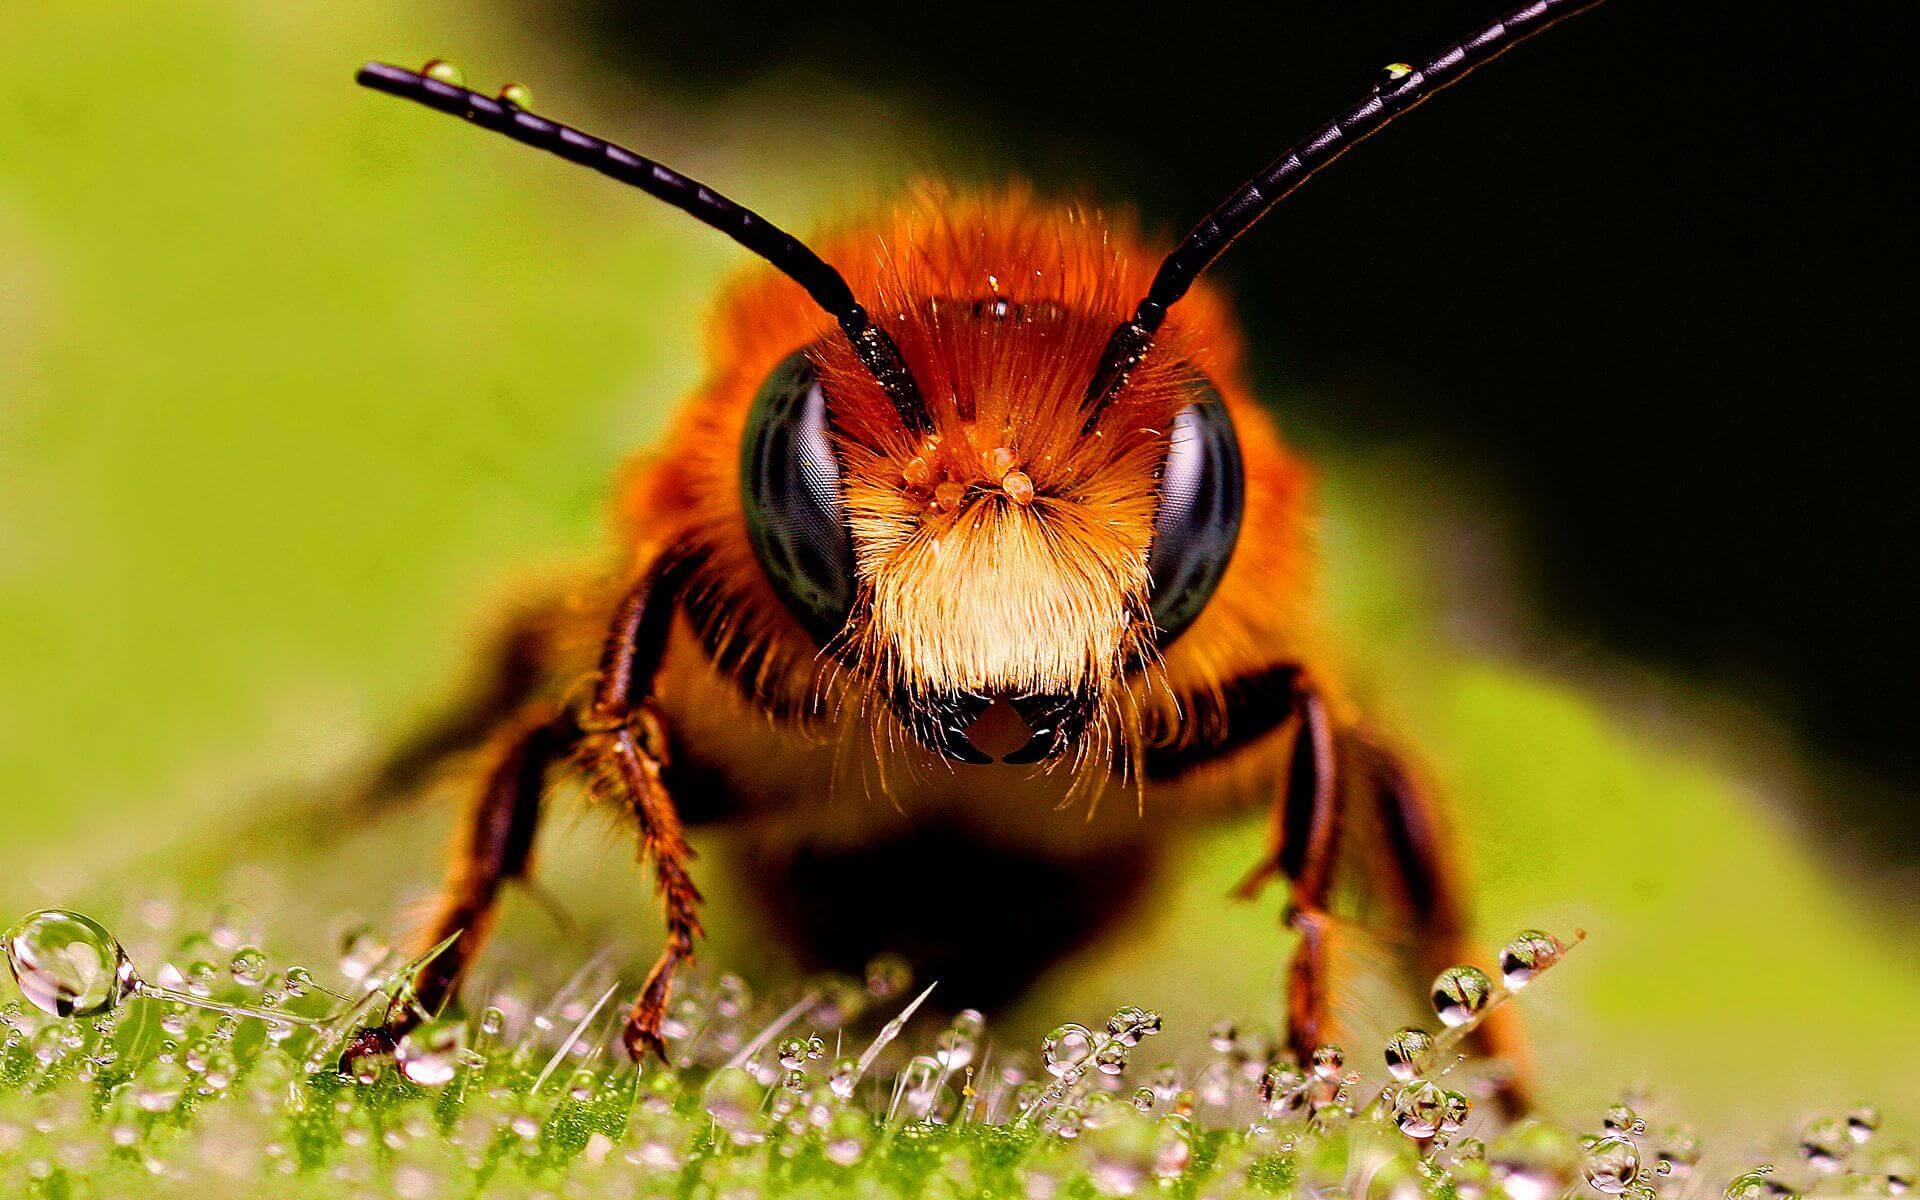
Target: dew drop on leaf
1460, 993
1407, 1053
68, 964
430, 1053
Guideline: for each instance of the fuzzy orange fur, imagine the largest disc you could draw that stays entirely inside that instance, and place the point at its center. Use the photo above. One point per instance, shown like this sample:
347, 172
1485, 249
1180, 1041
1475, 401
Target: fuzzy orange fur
1007, 551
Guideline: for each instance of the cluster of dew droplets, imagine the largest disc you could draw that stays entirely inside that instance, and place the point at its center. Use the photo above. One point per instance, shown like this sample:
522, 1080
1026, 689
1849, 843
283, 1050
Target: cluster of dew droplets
1078, 1060
1838, 1155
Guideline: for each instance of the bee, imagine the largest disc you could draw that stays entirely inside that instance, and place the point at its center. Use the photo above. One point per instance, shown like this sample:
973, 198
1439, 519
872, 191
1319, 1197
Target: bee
973, 522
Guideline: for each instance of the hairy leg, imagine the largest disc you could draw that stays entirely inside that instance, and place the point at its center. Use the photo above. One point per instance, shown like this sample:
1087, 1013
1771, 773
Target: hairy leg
618, 741
623, 749
495, 845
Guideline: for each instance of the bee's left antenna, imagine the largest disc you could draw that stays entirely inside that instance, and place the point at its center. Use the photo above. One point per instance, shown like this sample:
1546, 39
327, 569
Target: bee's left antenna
876, 351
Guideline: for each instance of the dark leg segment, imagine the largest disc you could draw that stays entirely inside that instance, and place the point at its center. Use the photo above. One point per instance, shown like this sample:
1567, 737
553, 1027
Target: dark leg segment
496, 846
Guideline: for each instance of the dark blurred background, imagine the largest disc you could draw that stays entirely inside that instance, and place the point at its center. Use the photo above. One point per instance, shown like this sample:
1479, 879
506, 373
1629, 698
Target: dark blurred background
1650, 272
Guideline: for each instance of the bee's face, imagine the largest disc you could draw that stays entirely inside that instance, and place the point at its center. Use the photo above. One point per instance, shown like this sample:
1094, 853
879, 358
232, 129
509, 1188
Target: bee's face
1010, 555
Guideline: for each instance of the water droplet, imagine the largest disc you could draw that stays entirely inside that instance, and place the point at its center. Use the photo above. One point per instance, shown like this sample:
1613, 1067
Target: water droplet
1611, 1164
583, 1086
844, 1076
68, 964
733, 1100
1131, 1023
793, 1053
430, 1053
1142, 1099
1460, 993
1392, 74
201, 977
1067, 1050
1756, 1184
1329, 1061
1825, 1144
160, 1087
249, 966
492, 1021
1529, 953
1407, 1053
1283, 1089
1862, 1123
1111, 1058
519, 95
1222, 1036
1679, 1149
444, 72
1418, 1109
1454, 1112
961, 1041
299, 981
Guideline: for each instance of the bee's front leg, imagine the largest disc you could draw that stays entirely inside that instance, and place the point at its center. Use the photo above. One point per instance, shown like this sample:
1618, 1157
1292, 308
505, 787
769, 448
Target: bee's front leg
1304, 843
623, 750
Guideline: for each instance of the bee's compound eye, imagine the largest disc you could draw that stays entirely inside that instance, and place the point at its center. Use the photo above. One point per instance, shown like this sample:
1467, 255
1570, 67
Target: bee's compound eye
1202, 491
790, 485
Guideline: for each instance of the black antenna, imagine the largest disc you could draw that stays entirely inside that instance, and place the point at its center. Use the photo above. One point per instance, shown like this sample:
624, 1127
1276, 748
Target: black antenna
1401, 89
829, 290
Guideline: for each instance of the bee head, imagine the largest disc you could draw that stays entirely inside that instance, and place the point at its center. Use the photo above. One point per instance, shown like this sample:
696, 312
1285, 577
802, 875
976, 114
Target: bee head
1020, 548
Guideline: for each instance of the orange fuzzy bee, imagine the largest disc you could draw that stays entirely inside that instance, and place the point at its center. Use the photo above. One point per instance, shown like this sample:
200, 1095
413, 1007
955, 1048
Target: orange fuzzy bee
978, 524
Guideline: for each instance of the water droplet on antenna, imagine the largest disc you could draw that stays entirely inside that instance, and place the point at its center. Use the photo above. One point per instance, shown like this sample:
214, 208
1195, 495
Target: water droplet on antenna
442, 71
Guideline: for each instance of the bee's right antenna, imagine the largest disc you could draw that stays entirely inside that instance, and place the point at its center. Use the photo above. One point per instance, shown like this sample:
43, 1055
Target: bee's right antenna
1402, 88
876, 351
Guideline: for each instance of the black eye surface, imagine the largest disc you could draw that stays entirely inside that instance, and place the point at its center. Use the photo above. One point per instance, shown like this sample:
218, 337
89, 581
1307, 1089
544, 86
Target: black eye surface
790, 484
1202, 491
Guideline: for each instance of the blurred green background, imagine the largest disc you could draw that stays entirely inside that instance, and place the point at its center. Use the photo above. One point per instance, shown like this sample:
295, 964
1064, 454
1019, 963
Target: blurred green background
296, 383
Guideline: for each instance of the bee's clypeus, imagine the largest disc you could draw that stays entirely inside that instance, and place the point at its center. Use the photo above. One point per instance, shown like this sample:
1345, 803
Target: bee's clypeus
973, 517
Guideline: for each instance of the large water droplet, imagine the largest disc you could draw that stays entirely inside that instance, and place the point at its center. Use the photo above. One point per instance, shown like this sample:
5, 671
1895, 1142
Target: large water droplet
1419, 1108
1862, 1122
68, 964
1529, 953
1825, 1144
1460, 993
248, 966
1067, 1049
1611, 1165
430, 1053
443, 71
961, 1041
